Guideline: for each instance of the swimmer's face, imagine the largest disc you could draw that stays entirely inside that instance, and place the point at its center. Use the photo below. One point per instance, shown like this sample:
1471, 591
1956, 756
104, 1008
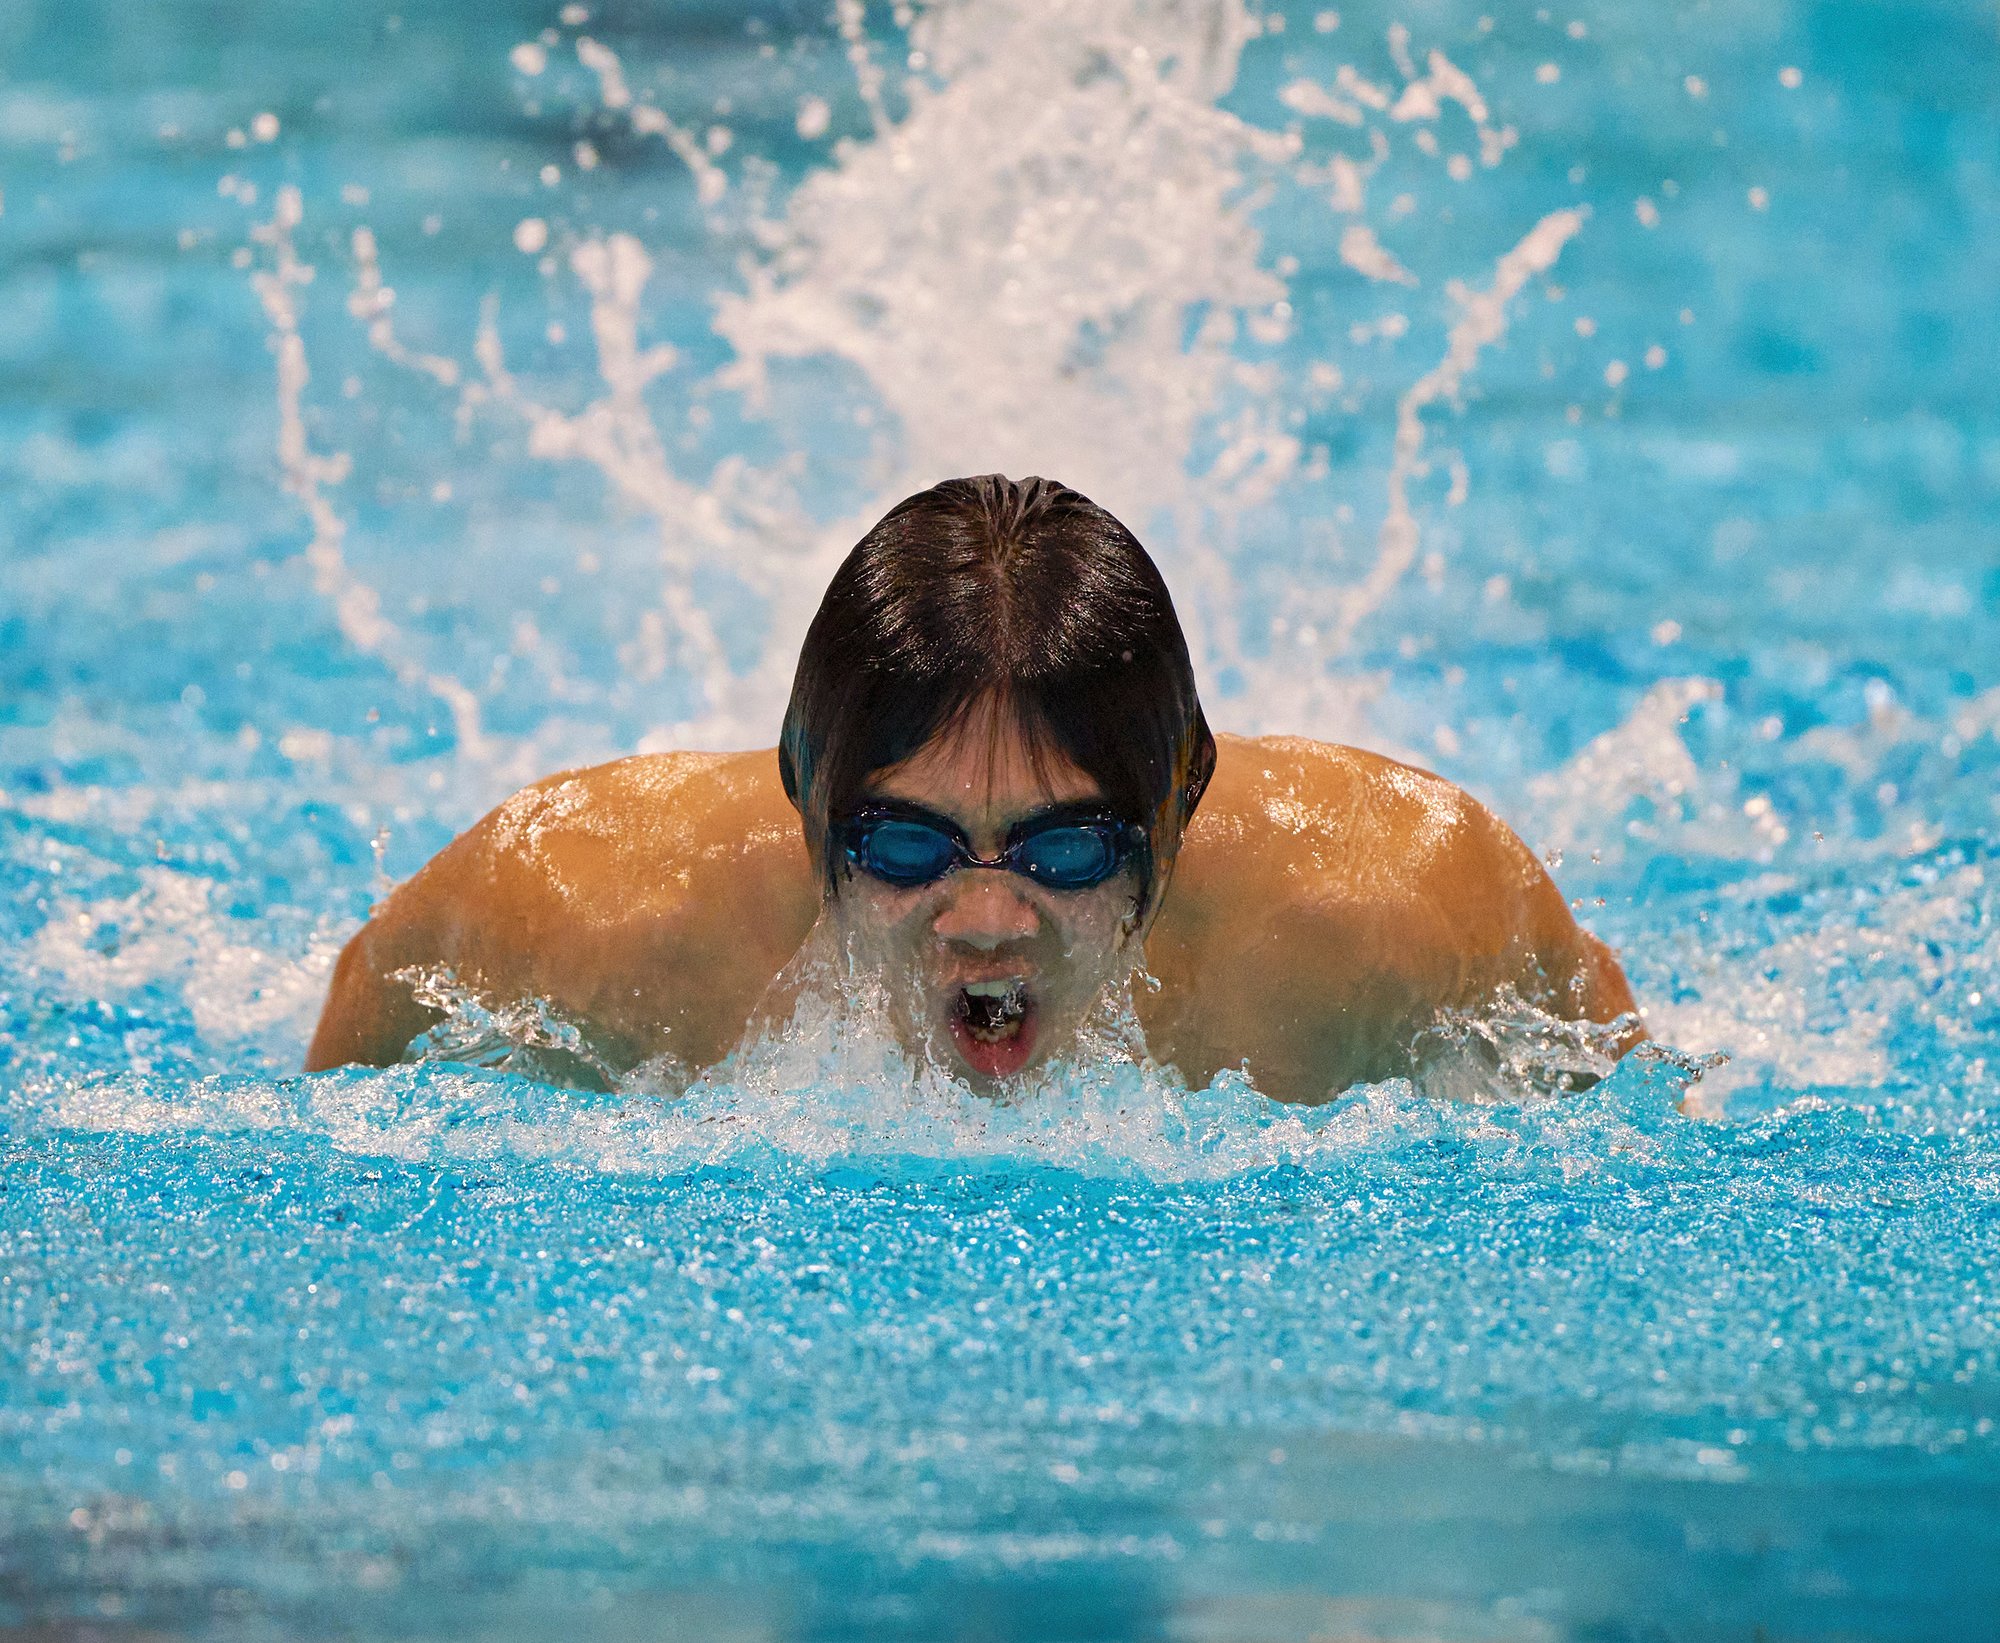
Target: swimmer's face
989, 973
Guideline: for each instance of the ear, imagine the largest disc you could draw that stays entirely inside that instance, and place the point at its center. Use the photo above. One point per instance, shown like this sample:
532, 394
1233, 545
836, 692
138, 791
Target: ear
788, 773
1201, 767
1136, 921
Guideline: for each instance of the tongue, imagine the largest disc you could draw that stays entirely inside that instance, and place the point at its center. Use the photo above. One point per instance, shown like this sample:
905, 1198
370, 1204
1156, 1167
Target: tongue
1000, 1057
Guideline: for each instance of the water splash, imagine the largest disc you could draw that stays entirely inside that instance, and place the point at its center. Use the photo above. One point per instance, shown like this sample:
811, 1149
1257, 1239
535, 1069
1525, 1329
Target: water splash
1089, 296
1511, 1052
1483, 323
530, 1037
819, 1080
822, 1102
312, 476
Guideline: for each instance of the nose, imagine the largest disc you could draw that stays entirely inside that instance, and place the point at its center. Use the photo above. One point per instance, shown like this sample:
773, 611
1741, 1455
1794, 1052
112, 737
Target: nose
984, 910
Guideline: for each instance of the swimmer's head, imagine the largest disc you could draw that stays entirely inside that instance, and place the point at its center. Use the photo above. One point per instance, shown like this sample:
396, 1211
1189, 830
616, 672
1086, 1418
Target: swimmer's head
1024, 594
993, 660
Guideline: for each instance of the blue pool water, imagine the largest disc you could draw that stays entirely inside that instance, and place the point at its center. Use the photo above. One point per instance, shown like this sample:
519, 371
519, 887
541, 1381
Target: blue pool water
398, 405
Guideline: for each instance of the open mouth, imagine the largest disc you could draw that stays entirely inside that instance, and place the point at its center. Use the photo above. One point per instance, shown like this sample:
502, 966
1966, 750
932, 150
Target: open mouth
993, 1025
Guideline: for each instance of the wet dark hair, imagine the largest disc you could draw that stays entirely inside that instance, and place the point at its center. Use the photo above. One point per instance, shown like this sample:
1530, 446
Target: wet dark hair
1022, 592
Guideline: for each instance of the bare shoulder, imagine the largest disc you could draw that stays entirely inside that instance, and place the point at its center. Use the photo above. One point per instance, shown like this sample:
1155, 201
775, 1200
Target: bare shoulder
632, 834
649, 895
1330, 901
1342, 831
1313, 801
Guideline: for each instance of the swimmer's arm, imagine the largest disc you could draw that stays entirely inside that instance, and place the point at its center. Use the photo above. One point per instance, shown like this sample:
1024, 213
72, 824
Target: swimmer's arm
507, 923
1556, 964
1505, 928
1457, 930
559, 922
370, 1017
1330, 903
367, 1020
649, 901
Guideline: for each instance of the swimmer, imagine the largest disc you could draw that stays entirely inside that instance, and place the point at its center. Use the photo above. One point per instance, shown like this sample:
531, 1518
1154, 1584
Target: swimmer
996, 791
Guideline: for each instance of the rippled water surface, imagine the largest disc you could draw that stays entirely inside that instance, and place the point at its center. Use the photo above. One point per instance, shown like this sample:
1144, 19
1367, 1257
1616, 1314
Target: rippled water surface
1594, 405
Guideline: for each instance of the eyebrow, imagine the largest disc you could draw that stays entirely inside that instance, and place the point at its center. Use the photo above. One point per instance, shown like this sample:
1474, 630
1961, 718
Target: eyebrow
1080, 809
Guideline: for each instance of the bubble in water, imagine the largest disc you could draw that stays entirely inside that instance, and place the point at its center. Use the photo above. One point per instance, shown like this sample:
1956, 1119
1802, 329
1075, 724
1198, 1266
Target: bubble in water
814, 116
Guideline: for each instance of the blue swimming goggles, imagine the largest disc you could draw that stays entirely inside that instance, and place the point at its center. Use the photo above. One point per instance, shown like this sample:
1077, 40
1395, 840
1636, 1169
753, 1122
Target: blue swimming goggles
1063, 849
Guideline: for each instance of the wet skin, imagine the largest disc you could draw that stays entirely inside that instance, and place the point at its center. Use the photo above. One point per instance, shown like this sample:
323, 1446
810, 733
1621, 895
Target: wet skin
1325, 905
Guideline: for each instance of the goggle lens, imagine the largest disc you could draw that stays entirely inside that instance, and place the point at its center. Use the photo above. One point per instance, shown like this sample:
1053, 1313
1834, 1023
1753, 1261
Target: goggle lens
905, 853
1067, 858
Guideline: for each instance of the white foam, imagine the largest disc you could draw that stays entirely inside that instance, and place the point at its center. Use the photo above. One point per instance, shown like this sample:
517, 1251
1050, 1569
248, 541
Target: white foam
1816, 1008
823, 1083
242, 996
828, 1107
1366, 255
